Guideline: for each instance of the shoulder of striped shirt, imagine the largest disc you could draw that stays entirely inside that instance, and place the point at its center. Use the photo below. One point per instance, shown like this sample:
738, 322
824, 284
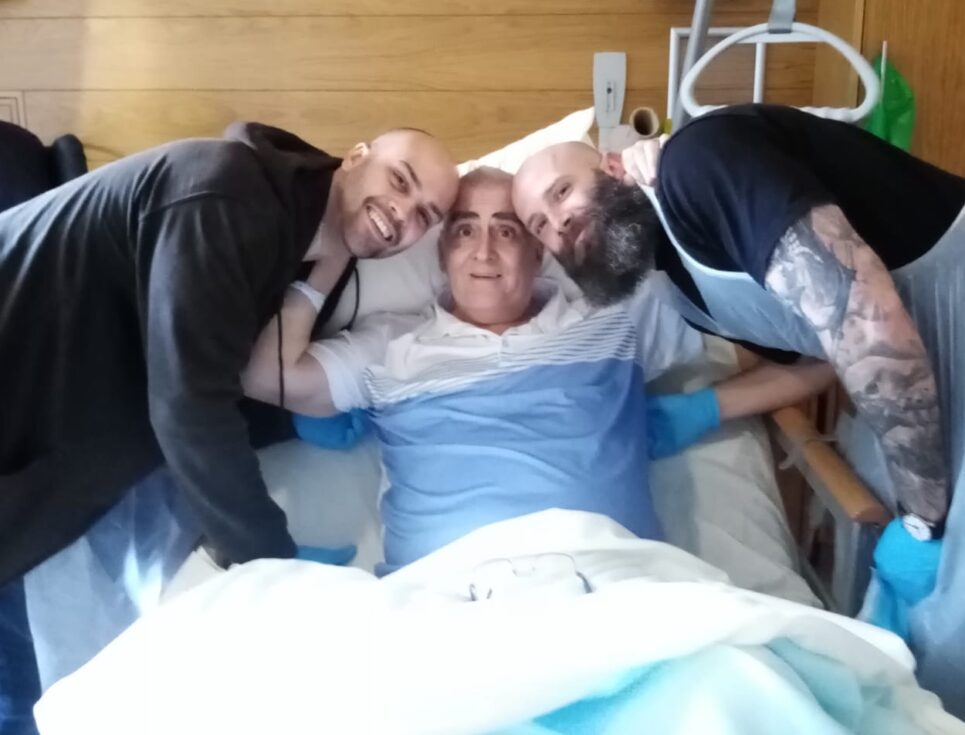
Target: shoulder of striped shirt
606, 334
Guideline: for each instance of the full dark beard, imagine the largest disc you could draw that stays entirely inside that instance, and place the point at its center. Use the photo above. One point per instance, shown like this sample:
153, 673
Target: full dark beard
621, 233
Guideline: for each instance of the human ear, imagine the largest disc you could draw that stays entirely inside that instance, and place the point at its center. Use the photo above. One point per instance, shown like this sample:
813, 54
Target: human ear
355, 155
612, 165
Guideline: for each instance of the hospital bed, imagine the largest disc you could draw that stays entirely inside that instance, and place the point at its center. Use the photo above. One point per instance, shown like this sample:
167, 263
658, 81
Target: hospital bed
721, 499
718, 500
298, 647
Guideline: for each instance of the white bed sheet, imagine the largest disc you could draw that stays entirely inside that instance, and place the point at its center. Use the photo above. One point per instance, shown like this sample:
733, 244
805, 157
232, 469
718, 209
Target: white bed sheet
718, 500
295, 647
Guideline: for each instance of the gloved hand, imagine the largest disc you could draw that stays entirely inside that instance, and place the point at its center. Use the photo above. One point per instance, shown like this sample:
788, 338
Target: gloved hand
342, 431
339, 557
676, 421
905, 573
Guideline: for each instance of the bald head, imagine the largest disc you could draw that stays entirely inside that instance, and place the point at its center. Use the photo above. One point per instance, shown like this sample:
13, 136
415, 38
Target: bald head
483, 176
390, 191
552, 189
406, 137
562, 155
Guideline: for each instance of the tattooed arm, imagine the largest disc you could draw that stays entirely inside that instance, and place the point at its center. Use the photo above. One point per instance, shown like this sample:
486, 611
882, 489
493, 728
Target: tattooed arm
824, 271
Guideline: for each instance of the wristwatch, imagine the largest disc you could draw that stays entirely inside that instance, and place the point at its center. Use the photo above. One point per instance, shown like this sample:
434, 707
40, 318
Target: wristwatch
920, 529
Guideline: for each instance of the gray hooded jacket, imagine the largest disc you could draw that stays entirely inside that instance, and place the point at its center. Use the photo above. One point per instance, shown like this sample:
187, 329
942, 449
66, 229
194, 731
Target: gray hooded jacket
130, 299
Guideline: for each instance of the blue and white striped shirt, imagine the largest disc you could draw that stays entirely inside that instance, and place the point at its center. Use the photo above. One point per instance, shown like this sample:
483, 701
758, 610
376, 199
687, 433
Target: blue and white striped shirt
477, 427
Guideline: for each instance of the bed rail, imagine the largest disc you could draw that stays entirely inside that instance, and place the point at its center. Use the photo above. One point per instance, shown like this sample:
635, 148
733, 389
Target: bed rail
857, 514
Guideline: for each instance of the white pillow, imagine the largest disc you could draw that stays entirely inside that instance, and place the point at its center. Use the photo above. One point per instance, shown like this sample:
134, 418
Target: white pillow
575, 126
408, 281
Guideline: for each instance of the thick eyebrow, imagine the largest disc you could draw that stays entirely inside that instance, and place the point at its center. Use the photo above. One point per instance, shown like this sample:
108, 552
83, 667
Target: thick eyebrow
436, 212
509, 216
418, 184
547, 196
548, 193
454, 216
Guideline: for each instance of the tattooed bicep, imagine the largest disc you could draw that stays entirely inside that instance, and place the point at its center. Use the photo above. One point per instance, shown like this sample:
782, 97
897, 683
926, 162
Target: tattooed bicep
817, 265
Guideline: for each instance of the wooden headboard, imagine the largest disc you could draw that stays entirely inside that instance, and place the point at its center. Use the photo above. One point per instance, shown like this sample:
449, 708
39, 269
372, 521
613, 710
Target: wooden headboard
124, 75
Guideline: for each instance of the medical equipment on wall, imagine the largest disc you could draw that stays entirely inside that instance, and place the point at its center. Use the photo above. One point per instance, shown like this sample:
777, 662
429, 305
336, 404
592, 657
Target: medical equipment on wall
609, 86
643, 123
682, 104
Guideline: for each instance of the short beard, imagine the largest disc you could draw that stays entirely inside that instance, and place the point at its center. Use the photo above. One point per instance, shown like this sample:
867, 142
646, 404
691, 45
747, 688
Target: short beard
621, 234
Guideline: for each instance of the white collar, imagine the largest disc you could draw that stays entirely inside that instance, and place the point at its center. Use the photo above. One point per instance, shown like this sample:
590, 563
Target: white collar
547, 294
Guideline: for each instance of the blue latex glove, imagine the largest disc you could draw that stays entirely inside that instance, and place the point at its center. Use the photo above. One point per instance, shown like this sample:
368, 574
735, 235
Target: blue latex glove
905, 572
676, 421
342, 431
336, 557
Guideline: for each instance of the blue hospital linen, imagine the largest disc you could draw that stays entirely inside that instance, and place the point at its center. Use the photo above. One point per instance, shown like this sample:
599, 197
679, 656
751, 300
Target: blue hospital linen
733, 690
477, 427
551, 436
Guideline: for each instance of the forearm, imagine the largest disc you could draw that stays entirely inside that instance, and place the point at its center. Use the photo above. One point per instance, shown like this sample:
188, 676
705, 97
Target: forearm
823, 270
306, 387
297, 317
769, 386
891, 382
286, 349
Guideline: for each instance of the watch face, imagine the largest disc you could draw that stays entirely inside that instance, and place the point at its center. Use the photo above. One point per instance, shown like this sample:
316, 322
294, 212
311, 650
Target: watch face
916, 527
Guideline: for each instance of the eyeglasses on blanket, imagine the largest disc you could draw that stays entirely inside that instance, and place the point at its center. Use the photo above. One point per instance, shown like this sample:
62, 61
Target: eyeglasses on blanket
536, 575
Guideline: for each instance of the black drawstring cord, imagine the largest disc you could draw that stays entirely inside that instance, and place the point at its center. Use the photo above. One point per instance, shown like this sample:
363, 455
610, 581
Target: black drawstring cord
358, 291
281, 366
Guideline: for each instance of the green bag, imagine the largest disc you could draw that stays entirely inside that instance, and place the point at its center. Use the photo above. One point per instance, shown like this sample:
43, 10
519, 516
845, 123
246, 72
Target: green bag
893, 118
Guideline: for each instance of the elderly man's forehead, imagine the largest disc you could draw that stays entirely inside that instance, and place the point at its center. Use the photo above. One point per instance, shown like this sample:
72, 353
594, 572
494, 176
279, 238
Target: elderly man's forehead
484, 198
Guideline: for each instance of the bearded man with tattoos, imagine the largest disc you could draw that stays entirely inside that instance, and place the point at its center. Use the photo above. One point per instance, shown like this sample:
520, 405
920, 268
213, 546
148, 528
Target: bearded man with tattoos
799, 236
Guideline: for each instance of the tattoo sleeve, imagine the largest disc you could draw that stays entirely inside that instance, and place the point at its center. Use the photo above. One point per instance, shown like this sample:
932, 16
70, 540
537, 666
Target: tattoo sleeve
824, 271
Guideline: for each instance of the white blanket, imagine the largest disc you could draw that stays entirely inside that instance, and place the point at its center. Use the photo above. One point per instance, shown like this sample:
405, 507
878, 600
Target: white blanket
292, 647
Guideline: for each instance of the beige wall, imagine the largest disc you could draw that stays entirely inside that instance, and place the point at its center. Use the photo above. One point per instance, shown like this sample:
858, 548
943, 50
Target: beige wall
128, 74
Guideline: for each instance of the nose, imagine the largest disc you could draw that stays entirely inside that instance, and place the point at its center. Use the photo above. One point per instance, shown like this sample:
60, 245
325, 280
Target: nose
563, 222
400, 210
484, 250
567, 221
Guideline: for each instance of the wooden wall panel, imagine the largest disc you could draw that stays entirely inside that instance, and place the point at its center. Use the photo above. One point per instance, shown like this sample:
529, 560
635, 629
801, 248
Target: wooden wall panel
926, 41
727, 12
835, 81
115, 123
466, 53
127, 74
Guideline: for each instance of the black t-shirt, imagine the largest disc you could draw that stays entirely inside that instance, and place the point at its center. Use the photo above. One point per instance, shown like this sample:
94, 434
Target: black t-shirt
731, 183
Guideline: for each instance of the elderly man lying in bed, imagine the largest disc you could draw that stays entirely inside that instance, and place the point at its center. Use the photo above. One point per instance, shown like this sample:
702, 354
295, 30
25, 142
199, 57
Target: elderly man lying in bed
507, 398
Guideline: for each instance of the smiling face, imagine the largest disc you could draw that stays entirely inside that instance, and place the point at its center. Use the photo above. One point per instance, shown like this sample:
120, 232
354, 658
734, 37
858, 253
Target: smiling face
387, 194
552, 196
603, 232
490, 260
